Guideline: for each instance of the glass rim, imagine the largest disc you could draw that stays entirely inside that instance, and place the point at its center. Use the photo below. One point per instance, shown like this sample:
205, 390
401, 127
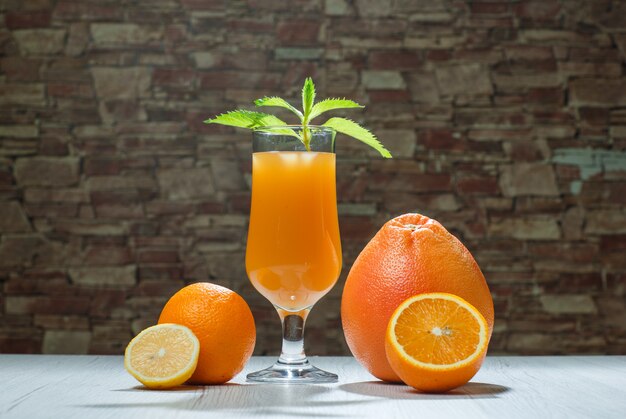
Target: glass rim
275, 127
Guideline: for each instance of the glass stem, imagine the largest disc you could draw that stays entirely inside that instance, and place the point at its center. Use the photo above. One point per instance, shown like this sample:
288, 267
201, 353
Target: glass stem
293, 336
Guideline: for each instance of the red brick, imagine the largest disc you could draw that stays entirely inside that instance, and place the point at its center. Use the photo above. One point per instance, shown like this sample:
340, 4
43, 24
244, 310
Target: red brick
97, 166
613, 243
538, 9
240, 203
74, 10
528, 53
488, 8
211, 208
128, 196
251, 26
593, 54
424, 182
160, 241
577, 253
105, 301
438, 55
22, 20
239, 79
490, 22
556, 117
484, 147
305, 32
61, 322
356, 228
157, 256
478, 186
122, 110
139, 228
119, 210
602, 92
389, 96
49, 146
245, 59
195, 121
524, 151
579, 282
616, 283
170, 208
63, 89
173, 77
20, 69
52, 210
158, 288
617, 192
47, 305
296, 72
47, 282
108, 255
440, 140
394, 60
160, 272
16, 345
202, 4
545, 96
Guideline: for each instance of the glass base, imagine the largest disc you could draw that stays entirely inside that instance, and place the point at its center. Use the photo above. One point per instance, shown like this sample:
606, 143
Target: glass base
293, 373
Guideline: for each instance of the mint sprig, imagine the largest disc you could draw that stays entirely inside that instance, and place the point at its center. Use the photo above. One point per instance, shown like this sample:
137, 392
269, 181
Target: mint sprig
332, 104
348, 127
279, 102
242, 118
256, 120
308, 96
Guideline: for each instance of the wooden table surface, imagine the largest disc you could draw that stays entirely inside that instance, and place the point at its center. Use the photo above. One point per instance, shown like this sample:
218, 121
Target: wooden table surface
48, 386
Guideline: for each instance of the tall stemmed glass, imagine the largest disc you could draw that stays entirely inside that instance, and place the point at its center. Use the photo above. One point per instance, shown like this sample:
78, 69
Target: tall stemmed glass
293, 255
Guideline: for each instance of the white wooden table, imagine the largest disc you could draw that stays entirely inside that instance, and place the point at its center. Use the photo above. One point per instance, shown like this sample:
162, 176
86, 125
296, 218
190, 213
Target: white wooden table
40, 386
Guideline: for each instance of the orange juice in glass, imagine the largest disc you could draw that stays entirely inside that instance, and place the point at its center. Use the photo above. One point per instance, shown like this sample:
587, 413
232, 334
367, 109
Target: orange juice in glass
293, 255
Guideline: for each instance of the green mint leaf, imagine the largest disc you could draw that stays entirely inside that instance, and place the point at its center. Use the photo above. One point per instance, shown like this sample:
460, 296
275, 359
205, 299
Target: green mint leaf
245, 119
279, 102
351, 128
308, 97
330, 104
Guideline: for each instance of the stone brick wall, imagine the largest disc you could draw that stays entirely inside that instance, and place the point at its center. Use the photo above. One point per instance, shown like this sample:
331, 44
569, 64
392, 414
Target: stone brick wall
507, 120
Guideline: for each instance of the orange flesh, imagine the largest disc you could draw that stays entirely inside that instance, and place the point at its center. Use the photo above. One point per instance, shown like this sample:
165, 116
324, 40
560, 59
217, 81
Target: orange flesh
437, 331
293, 256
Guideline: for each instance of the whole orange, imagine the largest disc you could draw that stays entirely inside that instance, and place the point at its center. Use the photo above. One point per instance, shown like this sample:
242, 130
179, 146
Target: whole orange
411, 254
222, 322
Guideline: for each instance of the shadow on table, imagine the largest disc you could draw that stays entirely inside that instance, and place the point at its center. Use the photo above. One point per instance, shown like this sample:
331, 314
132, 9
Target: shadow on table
178, 389
401, 391
250, 399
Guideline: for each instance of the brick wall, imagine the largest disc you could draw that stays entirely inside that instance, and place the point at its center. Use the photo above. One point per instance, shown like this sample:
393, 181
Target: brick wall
507, 120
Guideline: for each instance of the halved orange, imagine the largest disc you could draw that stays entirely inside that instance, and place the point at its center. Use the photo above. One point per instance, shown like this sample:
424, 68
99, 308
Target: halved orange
162, 356
436, 341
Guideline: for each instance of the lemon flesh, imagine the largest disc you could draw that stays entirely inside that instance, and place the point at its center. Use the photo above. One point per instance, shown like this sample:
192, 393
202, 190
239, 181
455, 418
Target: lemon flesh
162, 356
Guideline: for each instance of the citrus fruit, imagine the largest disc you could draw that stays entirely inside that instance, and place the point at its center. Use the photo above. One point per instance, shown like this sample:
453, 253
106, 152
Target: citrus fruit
162, 356
436, 342
222, 322
411, 254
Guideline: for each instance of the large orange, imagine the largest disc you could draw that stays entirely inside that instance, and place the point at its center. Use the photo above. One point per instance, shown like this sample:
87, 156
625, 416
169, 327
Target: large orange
222, 322
411, 254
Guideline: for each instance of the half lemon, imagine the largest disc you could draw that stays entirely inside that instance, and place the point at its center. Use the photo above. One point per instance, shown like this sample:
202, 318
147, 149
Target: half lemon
162, 356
